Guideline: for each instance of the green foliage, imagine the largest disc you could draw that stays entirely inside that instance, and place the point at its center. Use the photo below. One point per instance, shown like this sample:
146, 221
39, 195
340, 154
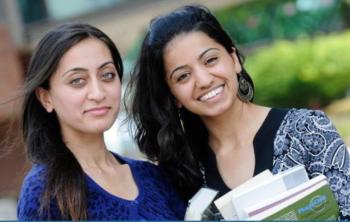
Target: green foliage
265, 20
302, 73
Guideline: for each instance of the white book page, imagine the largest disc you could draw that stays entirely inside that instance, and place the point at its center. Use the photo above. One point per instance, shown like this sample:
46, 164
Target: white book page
267, 189
224, 203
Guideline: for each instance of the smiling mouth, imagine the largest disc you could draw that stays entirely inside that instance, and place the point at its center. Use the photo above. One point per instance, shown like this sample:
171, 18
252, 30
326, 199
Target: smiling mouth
211, 94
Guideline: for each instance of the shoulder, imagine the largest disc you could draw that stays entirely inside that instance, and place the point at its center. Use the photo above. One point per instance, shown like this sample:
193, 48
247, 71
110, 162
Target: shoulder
30, 194
306, 124
307, 137
304, 116
34, 179
299, 122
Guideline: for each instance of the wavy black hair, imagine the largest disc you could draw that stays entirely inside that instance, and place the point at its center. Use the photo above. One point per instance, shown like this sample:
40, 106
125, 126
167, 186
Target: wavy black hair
158, 130
41, 130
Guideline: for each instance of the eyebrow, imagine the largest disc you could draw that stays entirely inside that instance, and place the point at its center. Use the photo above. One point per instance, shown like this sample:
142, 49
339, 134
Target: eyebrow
199, 58
83, 69
203, 53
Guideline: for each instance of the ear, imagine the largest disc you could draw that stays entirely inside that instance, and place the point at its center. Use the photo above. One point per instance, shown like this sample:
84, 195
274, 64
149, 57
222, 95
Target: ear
176, 101
236, 61
178, 104
44, 98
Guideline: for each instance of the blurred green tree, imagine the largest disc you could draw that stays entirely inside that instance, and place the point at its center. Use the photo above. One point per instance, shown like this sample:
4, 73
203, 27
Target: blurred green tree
307, 72
265, 20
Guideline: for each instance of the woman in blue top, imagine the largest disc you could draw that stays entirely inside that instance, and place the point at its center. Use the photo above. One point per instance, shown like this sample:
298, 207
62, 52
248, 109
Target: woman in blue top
194, 113
72, 95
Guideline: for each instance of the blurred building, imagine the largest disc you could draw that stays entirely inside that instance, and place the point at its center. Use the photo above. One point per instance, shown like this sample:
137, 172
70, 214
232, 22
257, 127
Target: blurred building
22, 24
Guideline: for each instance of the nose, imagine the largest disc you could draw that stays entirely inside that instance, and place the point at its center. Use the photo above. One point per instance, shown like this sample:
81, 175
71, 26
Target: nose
96, 91
204, 78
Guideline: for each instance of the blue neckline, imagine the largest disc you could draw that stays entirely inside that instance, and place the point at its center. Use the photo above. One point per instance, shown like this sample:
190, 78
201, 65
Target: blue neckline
135, 176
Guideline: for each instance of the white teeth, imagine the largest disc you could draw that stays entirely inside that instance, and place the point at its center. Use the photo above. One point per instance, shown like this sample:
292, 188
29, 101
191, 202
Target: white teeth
211, 94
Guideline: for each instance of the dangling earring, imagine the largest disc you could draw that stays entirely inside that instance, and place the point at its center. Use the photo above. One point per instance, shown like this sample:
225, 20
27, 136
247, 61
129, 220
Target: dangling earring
245, 90
181, 121
49, 110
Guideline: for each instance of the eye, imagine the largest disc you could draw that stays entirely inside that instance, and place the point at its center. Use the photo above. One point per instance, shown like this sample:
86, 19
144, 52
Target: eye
108, 76
77, 82
211, 60
182, 77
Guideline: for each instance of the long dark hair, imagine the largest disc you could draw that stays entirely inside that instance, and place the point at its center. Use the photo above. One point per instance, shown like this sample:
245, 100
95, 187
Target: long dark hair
158, 129
64, 176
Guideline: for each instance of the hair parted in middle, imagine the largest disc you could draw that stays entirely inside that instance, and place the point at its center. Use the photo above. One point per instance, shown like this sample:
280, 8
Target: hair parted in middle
41, 129
159, 132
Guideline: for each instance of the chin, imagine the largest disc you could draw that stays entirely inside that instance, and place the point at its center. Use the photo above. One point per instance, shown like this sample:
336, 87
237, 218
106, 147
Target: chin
218, 111
99, 127
96, 130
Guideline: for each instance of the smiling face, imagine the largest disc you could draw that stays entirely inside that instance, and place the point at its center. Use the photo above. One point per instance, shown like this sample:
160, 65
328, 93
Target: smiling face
84, 90
201, 74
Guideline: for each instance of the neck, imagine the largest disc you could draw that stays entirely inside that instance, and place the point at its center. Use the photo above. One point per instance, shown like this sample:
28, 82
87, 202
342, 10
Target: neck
236, 126
90, 150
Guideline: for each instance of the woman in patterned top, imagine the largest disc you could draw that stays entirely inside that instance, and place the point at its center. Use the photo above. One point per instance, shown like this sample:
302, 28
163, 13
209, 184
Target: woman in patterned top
194, 113
72, 95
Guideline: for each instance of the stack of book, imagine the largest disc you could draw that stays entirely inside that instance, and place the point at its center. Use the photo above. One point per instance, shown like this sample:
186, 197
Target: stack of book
289, 195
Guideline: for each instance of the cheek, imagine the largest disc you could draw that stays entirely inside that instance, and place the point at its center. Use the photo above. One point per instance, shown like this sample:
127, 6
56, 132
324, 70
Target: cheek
69, 105
227, 68
67, 98
181, 93
115, 92
68, 101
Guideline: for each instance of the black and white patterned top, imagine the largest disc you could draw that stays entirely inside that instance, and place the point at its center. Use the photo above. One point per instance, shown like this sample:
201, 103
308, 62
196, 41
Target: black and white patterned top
293, 137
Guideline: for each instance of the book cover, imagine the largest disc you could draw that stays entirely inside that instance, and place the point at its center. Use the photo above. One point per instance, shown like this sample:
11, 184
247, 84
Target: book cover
310, 201
289, 195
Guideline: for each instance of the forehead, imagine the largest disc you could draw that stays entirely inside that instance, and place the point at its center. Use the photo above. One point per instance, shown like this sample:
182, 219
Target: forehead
89, 47
88, 53
189, 41
187, 48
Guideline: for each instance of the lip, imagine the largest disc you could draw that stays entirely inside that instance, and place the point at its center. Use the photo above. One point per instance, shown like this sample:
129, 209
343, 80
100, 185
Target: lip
208, 91
98, 111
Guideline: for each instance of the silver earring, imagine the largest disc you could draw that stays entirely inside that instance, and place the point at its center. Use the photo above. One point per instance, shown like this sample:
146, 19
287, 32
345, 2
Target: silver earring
245, 90
181, 121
